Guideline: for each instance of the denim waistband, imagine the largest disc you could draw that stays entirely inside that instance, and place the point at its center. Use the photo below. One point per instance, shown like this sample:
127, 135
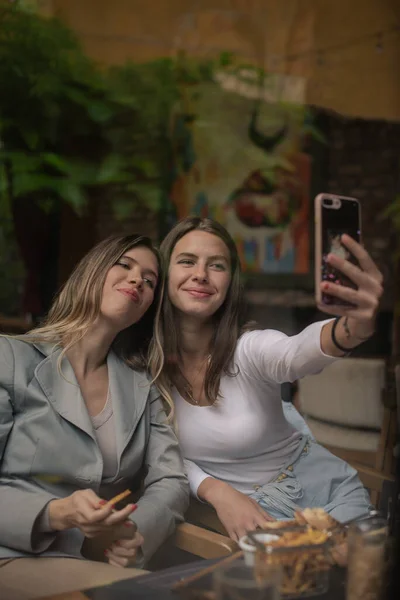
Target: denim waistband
282, 492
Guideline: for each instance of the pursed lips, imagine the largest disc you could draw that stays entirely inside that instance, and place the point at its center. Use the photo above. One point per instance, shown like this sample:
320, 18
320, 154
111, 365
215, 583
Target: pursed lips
132, 294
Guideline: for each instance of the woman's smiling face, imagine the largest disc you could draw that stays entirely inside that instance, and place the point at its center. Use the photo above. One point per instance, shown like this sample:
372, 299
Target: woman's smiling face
199, 274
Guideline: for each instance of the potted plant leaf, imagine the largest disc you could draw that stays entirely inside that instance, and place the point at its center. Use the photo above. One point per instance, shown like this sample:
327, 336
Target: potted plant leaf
69, 133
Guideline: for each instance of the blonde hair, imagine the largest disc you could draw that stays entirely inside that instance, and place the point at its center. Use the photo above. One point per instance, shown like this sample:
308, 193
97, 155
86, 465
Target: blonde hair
77, 305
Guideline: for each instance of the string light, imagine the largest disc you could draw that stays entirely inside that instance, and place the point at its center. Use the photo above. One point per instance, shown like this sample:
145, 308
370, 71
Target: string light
319, 53
377, 35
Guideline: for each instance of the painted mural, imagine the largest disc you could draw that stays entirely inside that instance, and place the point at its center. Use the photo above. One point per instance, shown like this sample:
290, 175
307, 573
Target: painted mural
239, 159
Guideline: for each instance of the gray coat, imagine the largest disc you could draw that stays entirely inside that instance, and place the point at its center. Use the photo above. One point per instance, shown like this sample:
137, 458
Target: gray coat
48, 450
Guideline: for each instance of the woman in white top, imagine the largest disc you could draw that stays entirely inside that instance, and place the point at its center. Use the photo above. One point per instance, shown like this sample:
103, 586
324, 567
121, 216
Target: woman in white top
223, 381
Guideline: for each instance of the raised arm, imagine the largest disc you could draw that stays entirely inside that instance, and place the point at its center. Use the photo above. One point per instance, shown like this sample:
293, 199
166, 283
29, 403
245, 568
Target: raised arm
271, 355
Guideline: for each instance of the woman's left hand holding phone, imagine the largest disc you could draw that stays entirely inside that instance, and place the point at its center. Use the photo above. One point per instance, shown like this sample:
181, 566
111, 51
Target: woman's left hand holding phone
363, 302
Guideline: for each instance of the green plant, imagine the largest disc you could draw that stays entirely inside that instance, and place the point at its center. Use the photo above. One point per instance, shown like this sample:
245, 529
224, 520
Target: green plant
70, 131
65, 123
142, 135
393, 212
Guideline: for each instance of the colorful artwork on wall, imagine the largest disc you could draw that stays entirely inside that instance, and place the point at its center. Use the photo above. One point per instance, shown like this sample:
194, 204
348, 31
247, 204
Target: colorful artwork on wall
240, 160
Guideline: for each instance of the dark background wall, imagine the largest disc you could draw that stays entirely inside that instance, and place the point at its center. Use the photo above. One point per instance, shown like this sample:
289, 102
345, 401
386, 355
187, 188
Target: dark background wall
364, 162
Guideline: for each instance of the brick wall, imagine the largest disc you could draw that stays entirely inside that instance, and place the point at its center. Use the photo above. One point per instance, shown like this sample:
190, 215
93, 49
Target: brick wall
364, 162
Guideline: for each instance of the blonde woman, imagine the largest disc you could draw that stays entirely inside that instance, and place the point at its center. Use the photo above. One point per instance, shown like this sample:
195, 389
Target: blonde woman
242, 456
79, 423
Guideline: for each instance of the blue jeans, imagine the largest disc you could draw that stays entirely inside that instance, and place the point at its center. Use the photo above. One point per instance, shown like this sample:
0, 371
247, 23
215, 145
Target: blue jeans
295, 419
314, 477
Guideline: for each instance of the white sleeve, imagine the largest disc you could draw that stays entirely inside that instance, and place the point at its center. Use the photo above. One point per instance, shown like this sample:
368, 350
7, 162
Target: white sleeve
195, 476
271, 355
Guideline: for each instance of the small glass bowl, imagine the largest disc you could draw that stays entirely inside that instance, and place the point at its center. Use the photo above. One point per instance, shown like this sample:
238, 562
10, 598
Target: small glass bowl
305, 568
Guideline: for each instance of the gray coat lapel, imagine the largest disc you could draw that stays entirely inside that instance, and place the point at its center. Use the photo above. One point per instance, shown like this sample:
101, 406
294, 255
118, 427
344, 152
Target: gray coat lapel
129, 391
62, 389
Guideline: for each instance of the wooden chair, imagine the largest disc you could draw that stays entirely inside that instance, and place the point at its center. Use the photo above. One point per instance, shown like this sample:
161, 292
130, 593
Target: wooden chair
344, 406
191, 542
201, 542
204, 515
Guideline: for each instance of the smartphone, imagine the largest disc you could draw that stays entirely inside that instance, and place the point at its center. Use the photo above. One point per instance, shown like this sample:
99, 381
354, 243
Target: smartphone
334, 215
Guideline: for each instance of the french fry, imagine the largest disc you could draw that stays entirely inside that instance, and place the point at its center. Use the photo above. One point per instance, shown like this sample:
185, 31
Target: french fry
319, 519
118, 498
299, 518
302, 551
279, 524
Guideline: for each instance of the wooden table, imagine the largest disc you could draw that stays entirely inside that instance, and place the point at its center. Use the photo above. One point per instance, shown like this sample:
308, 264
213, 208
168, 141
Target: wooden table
157, 585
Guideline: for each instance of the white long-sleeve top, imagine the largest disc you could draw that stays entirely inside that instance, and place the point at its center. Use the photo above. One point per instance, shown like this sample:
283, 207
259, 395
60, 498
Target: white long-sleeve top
244, 438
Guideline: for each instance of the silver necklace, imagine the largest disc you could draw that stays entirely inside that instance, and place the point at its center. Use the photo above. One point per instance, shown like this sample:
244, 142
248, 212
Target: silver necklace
189, 392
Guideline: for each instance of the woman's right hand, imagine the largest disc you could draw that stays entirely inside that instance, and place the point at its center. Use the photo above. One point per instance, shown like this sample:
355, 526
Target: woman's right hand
86, 511
237, 512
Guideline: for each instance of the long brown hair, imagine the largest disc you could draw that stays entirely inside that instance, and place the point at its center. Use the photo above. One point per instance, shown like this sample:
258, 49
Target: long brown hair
77, 305
227, 320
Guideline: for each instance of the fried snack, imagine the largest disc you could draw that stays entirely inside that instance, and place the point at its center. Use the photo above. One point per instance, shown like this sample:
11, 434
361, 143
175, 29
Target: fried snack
316, 517
319, 519
299, 518
303, 555
278, 524
289, 539
118, 498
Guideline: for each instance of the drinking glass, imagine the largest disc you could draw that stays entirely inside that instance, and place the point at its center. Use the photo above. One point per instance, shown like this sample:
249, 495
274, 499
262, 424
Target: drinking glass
367, 541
